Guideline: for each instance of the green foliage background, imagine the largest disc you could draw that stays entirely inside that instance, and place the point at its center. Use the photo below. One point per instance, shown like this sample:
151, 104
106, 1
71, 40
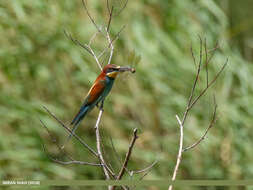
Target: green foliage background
40, 66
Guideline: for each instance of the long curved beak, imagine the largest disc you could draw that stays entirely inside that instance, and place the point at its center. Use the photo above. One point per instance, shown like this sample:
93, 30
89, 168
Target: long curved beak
126, 68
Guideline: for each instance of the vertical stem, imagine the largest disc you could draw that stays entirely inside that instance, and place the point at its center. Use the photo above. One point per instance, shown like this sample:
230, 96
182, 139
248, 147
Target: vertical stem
98, 139
179, 155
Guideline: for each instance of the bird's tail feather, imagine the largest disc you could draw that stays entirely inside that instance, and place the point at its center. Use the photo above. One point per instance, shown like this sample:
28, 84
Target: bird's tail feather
80, 115
76, 121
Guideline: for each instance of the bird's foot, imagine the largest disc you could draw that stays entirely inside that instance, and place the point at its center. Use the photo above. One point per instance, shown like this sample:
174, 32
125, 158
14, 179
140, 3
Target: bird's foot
102, 105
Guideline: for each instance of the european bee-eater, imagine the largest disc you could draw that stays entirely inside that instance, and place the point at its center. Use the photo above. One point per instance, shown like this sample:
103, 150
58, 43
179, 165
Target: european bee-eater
98, 92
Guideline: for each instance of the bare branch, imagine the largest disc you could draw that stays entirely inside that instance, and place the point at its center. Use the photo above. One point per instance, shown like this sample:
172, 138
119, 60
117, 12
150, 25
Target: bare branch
113, 40
86, 47
206, 54
61, 150
92, 38
209, 85
70, 132
116, 153
98, 141
124, 6
128, 154
96, 59
91, 19
69, 162
206, 131
179, 155
145, 169
110, 19
111, 46
194, 83
77, 42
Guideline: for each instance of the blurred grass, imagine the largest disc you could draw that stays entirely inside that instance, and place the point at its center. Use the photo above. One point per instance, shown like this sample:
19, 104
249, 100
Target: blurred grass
40, 66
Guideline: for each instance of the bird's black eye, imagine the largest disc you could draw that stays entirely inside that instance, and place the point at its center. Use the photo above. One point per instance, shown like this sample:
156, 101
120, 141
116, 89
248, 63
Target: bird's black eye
110, 70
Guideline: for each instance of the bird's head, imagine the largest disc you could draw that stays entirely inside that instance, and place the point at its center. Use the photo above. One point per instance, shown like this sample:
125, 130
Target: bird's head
112, 70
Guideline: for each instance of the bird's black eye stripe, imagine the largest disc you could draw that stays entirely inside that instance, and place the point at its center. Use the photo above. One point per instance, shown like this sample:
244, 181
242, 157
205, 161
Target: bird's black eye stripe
111, 69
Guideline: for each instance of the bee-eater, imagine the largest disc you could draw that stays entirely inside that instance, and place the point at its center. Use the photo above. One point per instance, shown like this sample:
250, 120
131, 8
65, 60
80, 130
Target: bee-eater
98, 92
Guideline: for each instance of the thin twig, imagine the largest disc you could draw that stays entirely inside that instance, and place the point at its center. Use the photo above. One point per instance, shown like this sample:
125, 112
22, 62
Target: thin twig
110, 19
98, 141
92, 20
209, 85
61, 150
85, 46
70, 132
124, 6
69, 162
206, 63
179, 155
111, 47
194, 83
77, 42
145, 169
128, 154
119, 161
112, 41
206, 131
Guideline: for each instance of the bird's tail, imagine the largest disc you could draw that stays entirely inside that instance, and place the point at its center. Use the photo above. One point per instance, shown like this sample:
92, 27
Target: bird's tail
76, 121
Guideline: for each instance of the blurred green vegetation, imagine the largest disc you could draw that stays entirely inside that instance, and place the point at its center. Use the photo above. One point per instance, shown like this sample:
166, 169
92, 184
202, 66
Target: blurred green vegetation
40, 66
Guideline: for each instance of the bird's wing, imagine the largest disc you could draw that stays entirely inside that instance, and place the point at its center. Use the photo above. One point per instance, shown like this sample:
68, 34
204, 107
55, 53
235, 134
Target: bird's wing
95, 91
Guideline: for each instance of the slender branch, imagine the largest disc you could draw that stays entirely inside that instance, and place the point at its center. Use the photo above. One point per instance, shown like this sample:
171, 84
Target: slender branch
194, 83
124, 6
179, 155
209, 85
111, 46
96, 59
119, 161
113, 40
98, 142
69, 162
206, 63
110, 19
70, 132
92, 38
128, 154
91, 19
206, 131
145, 169
61, 150
77, 42
86, 47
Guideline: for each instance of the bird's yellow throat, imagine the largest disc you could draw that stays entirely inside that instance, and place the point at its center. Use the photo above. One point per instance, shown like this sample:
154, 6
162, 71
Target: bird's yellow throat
112, 74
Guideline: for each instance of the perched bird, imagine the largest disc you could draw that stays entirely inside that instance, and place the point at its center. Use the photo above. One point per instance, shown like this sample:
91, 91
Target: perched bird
98, 92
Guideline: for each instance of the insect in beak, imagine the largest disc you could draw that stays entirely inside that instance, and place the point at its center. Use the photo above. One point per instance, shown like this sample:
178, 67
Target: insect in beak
126, 68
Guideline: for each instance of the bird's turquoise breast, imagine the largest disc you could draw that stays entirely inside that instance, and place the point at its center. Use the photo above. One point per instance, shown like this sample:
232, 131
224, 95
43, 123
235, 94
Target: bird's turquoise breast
108, 86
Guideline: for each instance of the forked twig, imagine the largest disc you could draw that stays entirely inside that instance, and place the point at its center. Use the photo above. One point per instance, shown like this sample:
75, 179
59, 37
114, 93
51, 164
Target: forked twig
205, 133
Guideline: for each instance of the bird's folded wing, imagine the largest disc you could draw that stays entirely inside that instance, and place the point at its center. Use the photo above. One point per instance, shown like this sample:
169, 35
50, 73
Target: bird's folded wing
95, 91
